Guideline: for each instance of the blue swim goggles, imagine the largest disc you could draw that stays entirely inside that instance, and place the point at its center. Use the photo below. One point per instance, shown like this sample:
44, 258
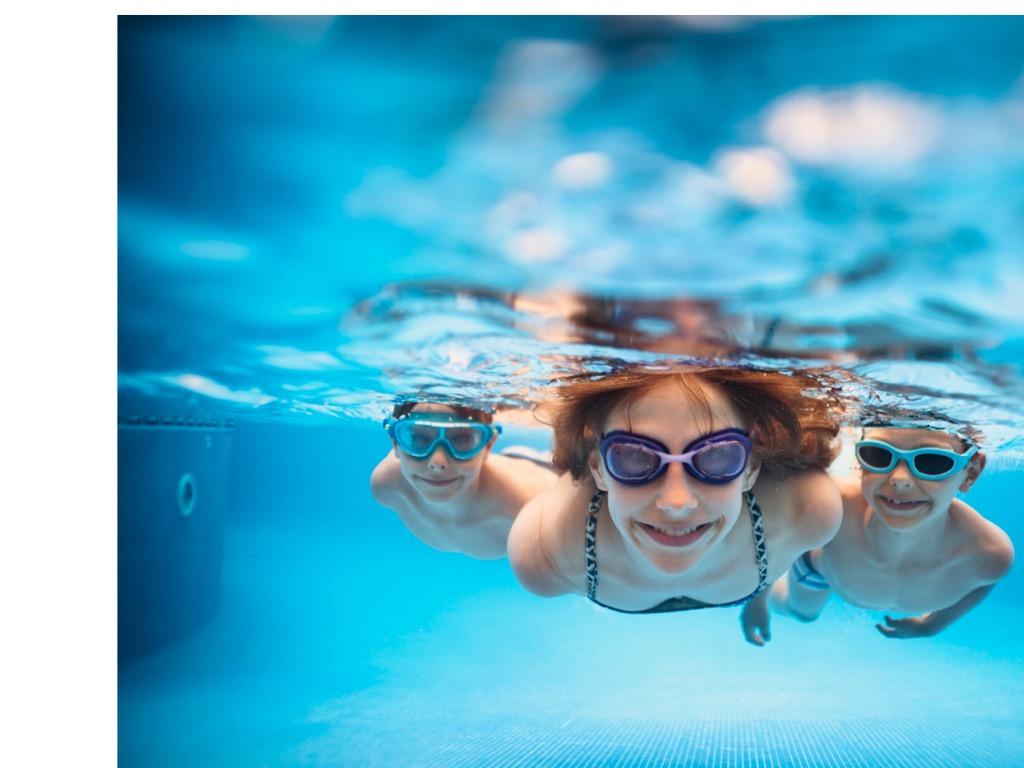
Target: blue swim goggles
419, 434
925, 463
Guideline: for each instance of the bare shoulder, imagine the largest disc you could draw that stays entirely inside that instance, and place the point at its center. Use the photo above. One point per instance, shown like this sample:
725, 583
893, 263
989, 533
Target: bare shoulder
849, 490
534, 542
809, 503
531, 477
852, 498
386, 480
991, 549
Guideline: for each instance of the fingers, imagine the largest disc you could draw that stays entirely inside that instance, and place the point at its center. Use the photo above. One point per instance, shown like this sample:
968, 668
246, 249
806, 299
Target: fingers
896, 628
756, 634
752, 637
756, 622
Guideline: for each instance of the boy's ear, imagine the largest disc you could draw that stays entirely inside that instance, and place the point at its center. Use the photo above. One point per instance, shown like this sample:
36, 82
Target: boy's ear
487, 448
596, 467
974, 470
753, 470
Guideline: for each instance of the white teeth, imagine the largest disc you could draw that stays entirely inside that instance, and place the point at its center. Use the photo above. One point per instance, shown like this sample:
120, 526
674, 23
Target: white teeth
677, 531
901, 503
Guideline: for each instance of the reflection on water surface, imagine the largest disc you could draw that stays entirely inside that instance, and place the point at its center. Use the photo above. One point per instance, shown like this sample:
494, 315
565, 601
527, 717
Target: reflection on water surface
593, 192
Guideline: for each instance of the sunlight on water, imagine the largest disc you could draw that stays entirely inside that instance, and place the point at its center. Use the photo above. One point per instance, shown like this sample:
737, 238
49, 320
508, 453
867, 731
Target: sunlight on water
870, 225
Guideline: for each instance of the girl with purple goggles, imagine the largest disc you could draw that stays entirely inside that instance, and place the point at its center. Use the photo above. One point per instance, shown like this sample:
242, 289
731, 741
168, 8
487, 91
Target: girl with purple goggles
715, 459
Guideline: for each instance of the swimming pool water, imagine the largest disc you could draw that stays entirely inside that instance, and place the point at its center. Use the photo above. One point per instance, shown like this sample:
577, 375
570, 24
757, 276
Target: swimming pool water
342, 641
317, 215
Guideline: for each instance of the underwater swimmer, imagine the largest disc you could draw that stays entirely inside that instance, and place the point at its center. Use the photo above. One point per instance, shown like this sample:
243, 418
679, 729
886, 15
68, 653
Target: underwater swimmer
906, 543
681, 490
446, 486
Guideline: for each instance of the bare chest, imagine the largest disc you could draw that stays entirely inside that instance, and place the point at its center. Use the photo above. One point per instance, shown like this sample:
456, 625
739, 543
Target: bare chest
867, 581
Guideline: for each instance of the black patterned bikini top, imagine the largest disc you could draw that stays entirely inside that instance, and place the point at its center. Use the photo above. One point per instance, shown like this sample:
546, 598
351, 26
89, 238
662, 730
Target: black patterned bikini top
678, 603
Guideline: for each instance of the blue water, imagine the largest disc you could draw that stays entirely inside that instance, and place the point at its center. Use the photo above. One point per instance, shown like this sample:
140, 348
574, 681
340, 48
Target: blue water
317, 215
341, 640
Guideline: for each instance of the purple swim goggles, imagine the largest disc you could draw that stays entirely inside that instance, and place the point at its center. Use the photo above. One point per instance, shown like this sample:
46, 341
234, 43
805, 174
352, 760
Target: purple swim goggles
715, 459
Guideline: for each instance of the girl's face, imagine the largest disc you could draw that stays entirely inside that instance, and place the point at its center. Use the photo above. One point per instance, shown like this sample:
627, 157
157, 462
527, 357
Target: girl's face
674, 521
903, 500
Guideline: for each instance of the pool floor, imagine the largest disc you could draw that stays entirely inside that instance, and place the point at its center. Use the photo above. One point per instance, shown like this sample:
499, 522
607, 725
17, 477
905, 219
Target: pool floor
306, 664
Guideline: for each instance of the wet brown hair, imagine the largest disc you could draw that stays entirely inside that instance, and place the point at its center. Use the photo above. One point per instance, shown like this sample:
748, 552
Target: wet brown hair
790, 429
473, 414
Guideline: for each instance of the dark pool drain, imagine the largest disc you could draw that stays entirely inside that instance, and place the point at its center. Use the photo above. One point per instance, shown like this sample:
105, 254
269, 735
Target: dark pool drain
186, 494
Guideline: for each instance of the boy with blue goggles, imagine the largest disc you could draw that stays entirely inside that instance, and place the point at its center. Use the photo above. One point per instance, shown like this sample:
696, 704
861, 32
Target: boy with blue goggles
928, 463
907, 544
445, 484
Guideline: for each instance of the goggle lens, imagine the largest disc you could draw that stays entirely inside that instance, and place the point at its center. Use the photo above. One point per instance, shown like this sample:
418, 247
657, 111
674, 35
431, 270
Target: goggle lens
415, 438
874, 456
631, 461
721, 460
933, 463
466, 439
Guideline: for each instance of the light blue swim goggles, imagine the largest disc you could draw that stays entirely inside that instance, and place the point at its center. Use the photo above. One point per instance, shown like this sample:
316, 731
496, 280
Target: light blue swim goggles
419, 434
925, 463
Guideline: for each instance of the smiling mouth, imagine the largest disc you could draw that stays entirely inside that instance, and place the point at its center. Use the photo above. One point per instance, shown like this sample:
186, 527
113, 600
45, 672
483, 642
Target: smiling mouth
437, 483
901, 505
675, 537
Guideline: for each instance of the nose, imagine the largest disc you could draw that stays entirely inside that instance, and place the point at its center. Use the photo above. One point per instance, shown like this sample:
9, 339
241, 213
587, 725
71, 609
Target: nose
438, 461
674, 494
900, 476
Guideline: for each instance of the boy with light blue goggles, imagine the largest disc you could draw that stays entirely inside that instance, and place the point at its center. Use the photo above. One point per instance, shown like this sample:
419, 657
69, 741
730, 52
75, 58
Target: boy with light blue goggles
924, 463
446, 485
419, 434
958, 555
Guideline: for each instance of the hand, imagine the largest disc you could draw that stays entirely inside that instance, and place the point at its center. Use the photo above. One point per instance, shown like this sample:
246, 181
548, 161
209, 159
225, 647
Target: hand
912, 626
755, 621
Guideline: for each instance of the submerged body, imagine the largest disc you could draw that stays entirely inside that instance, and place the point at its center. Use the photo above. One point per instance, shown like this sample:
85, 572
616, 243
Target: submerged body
675, 542
453, 505
798, 512
906, 544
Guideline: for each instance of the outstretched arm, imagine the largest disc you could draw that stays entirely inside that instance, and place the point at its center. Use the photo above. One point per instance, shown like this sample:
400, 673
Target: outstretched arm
995, 564
929, 624
818, 513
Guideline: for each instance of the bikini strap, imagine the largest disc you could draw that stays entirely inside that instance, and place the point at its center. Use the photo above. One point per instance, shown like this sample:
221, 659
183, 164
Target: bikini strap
591, 544
760, 550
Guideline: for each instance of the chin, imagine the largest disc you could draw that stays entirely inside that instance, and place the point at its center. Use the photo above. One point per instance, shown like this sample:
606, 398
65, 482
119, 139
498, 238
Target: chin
902, 518
903, 523
899, 523
441, 493
665, 560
